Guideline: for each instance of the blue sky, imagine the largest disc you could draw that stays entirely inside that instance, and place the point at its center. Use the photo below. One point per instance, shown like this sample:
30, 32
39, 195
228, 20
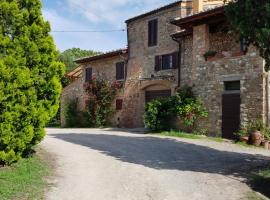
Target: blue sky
94, 15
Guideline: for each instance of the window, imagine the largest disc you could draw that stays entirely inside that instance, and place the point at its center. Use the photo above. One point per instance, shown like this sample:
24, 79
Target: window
168, 61
232, 86
119, 104
88, 74
120, 71
243, 45
152, 32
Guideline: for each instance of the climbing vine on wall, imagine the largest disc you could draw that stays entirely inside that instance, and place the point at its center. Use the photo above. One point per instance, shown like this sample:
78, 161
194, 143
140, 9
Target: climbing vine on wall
101, 94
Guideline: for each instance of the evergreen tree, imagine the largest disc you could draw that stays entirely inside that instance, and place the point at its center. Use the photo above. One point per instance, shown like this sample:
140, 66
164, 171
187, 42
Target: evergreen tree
251, 18
30, 76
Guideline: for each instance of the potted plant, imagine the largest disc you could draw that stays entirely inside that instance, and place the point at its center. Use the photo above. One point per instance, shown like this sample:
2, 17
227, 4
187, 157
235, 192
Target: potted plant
257, 130
266, 142
209, 54
242, 135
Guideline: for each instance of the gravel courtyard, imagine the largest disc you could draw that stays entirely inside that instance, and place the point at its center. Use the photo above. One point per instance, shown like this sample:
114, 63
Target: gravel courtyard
95, 164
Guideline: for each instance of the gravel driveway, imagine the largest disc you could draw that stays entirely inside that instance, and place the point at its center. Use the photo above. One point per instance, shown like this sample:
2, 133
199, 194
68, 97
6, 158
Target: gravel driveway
93, 164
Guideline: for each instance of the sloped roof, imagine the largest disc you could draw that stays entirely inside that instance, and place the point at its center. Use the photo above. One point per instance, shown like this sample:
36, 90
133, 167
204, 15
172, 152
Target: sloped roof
213, 15
102, 56
156, 10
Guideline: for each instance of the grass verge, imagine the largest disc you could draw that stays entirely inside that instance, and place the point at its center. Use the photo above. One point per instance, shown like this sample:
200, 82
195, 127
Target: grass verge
190, 136
254, 196
181, 135
25, 179
260, 181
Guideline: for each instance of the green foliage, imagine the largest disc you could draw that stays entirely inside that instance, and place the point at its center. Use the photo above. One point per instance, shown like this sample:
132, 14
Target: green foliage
101, 95
256, 125
181, 135
251, 18
24, 180
209, 54
69, 55
29, 77
183, 105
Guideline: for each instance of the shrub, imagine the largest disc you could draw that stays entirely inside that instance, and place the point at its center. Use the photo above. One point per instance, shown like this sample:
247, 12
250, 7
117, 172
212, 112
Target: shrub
183, 105
30, 76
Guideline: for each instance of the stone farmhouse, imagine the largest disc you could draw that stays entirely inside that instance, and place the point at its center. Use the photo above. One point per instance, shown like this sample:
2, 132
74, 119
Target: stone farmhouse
186, 43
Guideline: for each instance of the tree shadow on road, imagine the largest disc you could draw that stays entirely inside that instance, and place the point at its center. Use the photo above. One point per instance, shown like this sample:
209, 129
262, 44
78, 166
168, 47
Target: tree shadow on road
169, 154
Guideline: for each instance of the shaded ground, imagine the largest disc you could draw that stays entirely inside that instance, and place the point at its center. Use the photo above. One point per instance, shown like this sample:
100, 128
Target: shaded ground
110, 164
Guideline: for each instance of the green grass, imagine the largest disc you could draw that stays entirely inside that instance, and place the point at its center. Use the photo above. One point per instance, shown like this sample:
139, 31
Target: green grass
190, 136
254, 196
24, 180
216, 139
261, 181
181, 135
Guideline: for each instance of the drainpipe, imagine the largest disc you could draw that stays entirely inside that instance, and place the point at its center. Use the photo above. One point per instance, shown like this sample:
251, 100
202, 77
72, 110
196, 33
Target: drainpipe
179, 41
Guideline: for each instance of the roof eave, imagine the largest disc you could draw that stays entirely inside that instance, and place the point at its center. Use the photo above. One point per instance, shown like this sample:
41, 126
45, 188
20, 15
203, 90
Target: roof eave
153, 11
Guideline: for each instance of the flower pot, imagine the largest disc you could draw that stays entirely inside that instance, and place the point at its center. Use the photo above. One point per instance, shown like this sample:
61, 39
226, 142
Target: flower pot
255, 138
244, 139
265, 144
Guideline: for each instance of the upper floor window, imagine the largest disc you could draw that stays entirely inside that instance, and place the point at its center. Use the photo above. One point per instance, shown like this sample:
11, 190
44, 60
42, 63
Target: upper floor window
88, 74
168, 61
120, 71
152, 32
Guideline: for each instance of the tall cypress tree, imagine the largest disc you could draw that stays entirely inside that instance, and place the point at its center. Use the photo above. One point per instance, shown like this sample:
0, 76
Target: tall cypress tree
29, 77
251, 18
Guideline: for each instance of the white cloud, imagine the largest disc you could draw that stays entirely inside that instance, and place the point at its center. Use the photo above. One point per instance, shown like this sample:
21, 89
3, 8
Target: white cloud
114, 12
93, 41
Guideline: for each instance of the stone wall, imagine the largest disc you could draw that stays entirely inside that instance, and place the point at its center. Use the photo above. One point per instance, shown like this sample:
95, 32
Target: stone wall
105, 68
208, 77
69, 93
141, 63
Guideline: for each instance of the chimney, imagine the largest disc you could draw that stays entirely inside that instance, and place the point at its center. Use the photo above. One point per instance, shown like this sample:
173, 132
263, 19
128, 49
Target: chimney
202, 5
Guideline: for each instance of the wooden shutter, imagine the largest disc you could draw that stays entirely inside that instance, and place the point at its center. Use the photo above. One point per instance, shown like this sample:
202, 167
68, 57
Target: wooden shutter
88, 74
152, 32
175, 60
155, 31
158, 63
119, 104
120, 71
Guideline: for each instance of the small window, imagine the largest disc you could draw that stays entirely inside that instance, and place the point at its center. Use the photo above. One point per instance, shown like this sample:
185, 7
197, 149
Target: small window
120, 71
243, 45
88, 74
152, 32
167, 61
119, 104
232, 86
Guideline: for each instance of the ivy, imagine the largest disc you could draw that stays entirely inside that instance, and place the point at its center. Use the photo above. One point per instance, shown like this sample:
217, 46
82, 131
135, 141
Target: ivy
101, 96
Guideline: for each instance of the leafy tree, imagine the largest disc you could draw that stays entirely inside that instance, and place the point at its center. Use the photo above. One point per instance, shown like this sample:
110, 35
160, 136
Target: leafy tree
30, 76
69, 55
251, 18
